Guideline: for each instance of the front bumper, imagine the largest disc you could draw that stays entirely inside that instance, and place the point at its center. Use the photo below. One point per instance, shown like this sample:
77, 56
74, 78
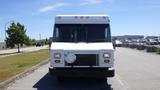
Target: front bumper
82, 72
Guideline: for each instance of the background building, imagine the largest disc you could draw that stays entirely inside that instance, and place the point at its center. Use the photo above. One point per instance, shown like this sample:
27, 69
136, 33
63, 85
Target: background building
2, 45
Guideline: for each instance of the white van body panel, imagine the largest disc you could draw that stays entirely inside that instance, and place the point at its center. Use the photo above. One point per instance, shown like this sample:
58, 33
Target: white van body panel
81, 46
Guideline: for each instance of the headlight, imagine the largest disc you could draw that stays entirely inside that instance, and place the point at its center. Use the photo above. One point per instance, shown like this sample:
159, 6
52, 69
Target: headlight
106, 55
57, 55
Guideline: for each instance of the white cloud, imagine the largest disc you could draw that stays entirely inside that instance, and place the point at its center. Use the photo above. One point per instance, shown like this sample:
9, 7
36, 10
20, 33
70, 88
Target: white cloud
94, 2
91, 2
51, 7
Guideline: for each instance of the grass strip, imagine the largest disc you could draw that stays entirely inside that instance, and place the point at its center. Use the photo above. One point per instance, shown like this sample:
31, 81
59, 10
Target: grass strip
158, 50
12, 65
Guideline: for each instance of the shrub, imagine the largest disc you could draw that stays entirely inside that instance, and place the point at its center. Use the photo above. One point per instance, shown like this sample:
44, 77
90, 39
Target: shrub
158, 50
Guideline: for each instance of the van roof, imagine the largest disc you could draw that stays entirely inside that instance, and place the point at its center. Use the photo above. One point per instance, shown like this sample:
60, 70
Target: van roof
82, 19
82, 15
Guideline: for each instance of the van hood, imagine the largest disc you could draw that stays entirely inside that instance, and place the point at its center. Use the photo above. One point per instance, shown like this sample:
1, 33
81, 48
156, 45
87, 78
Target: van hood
81, 46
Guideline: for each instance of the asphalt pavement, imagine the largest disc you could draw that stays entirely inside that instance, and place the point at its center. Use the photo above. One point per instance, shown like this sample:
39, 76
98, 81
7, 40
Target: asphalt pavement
135, 70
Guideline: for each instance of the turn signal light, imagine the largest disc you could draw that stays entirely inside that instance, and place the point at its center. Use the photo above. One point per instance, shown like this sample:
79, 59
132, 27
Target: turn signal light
106, 61
57, 61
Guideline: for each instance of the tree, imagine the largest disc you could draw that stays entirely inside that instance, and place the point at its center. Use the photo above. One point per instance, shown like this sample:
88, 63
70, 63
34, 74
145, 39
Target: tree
50, 41
32, 42
16, 35
46, 41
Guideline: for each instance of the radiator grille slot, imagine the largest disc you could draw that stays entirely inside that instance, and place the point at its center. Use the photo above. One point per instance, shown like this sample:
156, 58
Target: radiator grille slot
85, 60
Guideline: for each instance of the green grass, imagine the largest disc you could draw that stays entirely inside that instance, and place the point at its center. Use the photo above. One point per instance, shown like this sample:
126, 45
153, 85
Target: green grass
158, 50
12, 65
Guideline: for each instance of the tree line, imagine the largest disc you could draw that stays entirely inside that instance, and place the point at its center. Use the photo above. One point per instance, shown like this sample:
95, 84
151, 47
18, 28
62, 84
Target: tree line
16, 36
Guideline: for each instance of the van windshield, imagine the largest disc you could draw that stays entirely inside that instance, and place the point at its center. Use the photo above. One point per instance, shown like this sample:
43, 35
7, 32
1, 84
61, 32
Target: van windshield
82, 33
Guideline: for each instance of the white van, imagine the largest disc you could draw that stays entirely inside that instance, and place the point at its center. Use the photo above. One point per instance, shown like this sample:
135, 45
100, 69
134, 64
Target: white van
82, 47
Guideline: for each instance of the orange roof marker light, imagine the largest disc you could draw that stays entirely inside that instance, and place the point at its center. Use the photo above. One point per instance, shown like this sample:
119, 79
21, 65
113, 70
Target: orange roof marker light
76, 17
87, 17
59, 17
81, 17
104, 17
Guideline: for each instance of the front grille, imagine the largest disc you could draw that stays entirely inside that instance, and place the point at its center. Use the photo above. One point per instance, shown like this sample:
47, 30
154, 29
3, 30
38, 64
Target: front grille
85, 60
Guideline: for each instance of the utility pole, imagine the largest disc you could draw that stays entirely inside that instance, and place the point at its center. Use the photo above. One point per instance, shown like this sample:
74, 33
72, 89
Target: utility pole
159, 39
40, 37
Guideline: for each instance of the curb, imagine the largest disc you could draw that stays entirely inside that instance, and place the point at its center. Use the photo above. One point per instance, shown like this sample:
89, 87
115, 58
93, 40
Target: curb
6, 83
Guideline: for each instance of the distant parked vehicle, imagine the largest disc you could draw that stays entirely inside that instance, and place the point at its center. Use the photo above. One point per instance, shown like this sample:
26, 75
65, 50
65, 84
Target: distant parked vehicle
152, 42
39, 44
118, 43
158, 42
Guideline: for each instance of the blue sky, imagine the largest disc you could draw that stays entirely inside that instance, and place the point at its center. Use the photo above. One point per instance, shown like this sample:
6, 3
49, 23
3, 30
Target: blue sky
140, 17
